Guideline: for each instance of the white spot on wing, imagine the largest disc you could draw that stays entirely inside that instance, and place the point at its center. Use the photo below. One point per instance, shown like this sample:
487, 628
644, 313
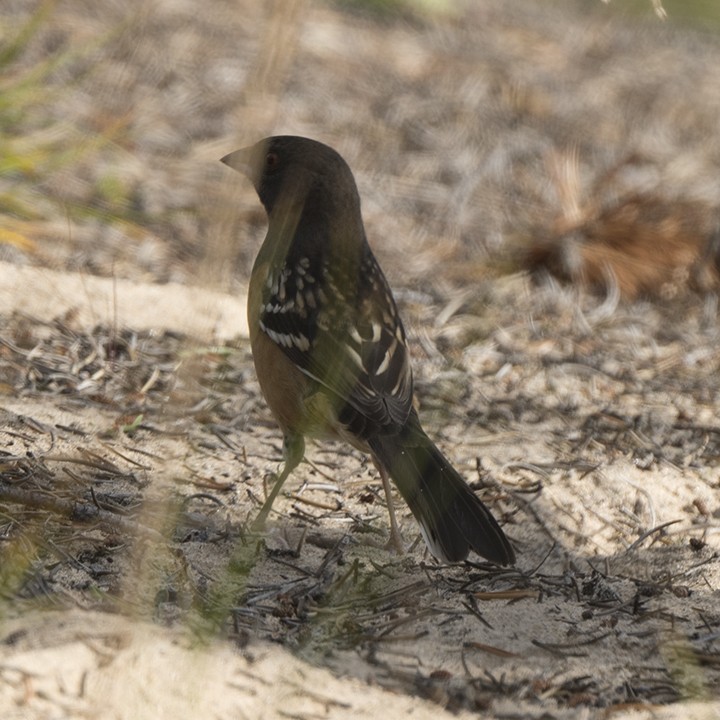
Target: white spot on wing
384, 364
301, 342
285, 340
398, 385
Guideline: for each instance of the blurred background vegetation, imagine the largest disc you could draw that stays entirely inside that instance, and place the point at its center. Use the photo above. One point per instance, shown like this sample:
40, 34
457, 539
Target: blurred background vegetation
74, 171
701, 14
70, 163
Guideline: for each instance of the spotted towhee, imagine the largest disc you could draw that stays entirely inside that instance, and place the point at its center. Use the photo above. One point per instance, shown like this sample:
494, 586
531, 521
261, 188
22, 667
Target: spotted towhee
330, 350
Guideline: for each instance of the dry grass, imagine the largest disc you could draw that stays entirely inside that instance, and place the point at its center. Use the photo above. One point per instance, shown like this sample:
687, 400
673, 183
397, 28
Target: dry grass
635, 243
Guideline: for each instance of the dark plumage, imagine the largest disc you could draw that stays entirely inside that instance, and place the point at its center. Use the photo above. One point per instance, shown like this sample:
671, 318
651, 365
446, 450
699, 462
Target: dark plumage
329, 346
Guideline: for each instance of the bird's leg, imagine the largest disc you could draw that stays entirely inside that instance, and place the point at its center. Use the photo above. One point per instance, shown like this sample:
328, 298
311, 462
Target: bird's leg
293, 452
395, 542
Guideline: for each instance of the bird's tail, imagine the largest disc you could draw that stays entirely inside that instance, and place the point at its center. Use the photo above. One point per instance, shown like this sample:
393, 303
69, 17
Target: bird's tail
452, 518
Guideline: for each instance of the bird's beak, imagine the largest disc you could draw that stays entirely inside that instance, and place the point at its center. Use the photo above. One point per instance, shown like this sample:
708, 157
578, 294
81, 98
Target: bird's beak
248, 161
240, 160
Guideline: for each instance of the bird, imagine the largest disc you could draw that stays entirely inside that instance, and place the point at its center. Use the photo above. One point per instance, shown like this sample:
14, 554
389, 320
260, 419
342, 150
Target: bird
330, 350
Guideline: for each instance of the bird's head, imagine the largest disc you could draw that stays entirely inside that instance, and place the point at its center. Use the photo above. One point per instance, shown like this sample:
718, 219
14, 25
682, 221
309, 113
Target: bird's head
291, 167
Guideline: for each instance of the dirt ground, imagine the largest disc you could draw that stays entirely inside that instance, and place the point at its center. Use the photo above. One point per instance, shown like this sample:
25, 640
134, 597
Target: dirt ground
135, 447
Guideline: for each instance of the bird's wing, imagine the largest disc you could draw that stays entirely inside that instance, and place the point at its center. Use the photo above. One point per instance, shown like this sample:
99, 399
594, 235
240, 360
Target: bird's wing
337, 321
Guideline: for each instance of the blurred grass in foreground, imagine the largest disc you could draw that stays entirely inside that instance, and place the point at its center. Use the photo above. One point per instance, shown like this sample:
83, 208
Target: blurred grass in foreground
35, 143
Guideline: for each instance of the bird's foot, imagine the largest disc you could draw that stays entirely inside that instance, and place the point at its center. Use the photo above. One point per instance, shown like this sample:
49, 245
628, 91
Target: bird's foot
258, 524
395, 542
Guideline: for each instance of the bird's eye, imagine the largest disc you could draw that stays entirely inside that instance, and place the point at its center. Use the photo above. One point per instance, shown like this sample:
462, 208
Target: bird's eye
271, 160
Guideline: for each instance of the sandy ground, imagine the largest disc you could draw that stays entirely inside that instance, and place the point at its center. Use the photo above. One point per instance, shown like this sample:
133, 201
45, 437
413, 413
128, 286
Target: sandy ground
134, 445
609, 607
